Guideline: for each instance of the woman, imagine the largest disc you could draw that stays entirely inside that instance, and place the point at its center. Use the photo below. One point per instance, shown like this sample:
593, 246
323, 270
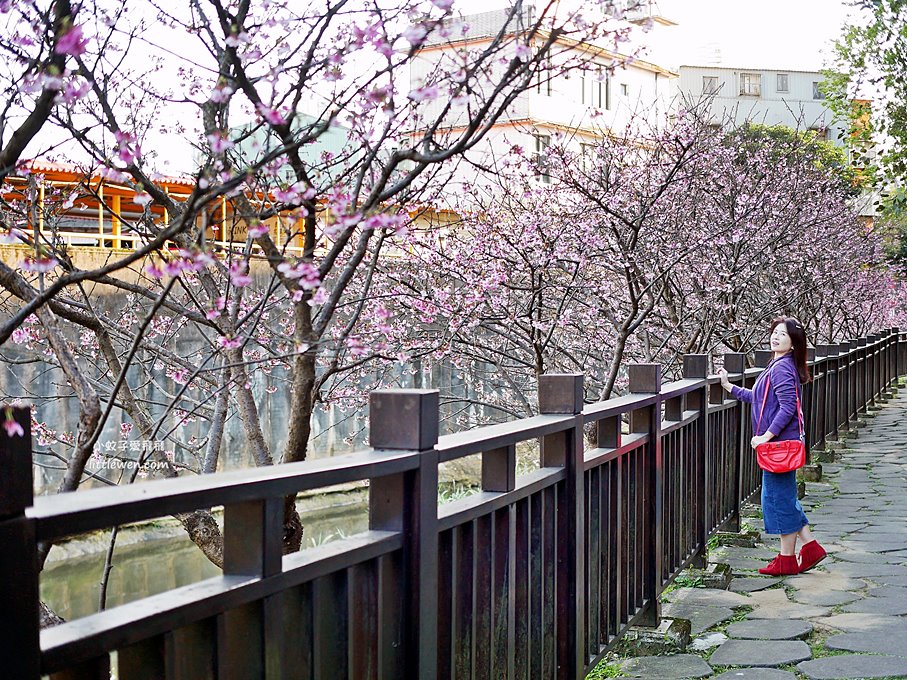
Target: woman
778, 387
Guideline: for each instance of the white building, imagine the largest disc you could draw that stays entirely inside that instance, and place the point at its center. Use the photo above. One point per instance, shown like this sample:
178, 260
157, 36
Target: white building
769, 97
581, 106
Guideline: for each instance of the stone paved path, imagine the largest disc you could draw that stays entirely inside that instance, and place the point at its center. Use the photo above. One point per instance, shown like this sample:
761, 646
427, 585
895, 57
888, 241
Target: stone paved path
846, 619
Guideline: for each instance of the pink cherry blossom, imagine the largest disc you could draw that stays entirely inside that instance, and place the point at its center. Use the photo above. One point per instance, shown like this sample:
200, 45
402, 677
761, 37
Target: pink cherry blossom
424, 94
12, 236
38, 265
237, 39
258, 230
288, 195
239, 276
219, 142
74, 91
71, 42
273, 116
415, 34
113, 174
228, 342
142, 198
221, 94
13, 428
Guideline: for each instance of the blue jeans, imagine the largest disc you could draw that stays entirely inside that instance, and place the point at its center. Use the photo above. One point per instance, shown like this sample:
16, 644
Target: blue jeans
781, 510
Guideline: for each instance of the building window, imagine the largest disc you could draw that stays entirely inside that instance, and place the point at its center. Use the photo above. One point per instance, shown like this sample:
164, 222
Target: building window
587, 155
751, 84
625, 90
817, 91
540, 158
783, 84
604, 92
543, 84
709, 84
820, 133
596, 91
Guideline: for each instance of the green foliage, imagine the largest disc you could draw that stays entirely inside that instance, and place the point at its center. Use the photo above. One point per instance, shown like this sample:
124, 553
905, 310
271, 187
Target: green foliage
785, 143
605, 669
454, 491
870, 60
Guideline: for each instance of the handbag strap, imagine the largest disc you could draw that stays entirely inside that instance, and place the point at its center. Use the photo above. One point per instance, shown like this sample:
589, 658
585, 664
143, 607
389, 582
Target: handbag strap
768, 384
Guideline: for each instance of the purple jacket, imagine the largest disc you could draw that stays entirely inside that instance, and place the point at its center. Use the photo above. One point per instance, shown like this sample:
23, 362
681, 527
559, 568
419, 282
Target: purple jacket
781, 404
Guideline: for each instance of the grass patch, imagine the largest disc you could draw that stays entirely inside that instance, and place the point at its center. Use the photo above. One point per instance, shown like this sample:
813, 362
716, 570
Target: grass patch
605, 669
454, 491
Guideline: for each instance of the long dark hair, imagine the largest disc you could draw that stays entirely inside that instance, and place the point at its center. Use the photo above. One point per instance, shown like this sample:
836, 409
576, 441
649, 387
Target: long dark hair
798, 342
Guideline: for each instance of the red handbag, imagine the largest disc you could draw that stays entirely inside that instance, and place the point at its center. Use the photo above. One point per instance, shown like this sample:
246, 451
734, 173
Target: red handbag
781, 456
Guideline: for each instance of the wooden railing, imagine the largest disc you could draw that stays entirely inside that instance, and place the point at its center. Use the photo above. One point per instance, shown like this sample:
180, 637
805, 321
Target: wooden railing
535, 576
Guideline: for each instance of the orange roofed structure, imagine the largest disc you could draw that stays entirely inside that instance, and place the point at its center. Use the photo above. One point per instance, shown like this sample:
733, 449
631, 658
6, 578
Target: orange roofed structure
86, 210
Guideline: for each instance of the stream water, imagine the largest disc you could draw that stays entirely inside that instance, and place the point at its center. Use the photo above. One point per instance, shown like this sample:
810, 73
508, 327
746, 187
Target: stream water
148, 563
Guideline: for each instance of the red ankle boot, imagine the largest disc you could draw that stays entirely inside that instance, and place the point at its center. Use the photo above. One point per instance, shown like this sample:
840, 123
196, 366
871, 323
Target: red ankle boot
810, 555
782, 565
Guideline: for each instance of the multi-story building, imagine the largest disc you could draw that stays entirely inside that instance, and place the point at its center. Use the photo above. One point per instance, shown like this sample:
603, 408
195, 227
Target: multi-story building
770, 97
580, 104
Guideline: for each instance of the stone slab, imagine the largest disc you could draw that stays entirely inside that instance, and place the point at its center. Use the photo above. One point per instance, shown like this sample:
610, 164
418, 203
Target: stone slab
862, 557
676, 666
861, 623
760, 653
855, 570
874, 643
740, 563
746, 584
707, 641
701, 617
769, 629
773, 604
819, 580
825, 598
890, 606
848, 667
755, 673
708, 596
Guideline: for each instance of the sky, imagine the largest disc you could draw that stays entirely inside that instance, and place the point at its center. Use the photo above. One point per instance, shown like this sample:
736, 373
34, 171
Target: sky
771, 34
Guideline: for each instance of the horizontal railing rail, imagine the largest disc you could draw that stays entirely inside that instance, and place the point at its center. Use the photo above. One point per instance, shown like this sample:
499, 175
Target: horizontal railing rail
535, 575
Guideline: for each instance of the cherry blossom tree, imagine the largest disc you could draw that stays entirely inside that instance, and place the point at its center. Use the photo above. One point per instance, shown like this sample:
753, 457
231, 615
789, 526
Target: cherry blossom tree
653, 244
255, 89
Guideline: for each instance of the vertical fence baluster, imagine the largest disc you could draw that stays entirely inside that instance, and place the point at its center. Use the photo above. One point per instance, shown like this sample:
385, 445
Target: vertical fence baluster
408, 503
646, 379
563, 394
250, 637
696, 367
20, 652
825, 397
735, 365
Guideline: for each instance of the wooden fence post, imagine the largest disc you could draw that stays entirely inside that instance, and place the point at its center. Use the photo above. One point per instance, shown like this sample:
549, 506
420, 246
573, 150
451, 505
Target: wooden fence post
696, 367
646, 379
408, 420
563, 394
20, 651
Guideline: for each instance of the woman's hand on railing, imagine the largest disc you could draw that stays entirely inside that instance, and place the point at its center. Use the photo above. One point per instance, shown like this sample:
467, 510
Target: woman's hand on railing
725, 383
